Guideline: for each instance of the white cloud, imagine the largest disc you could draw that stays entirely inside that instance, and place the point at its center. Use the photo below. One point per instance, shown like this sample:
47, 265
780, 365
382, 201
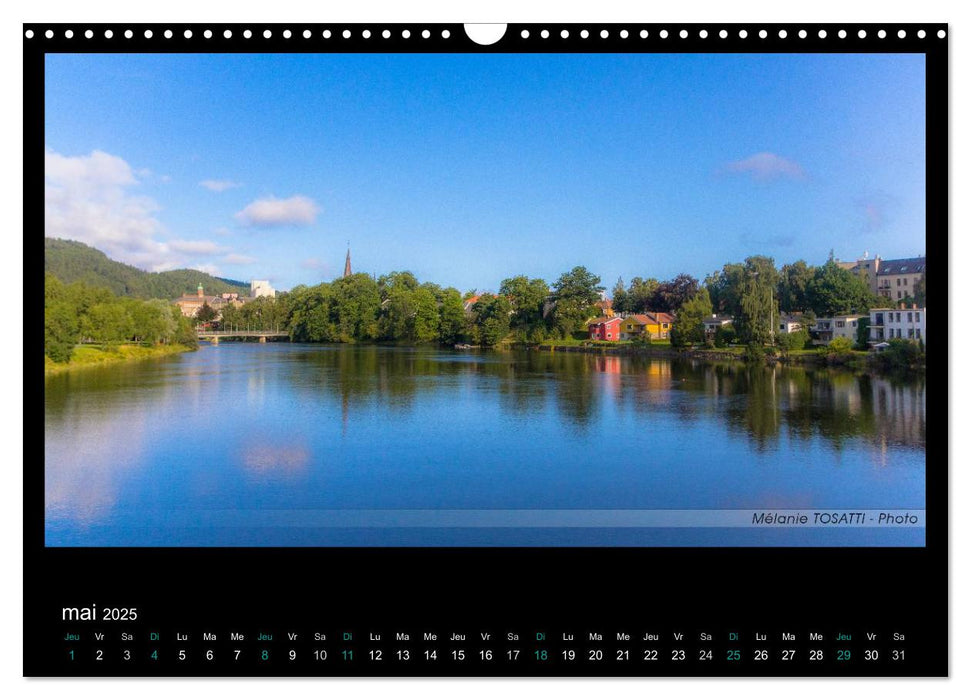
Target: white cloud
90, 199
94, 199
219, 185
237, 259
297, 210
767, 166
208, 268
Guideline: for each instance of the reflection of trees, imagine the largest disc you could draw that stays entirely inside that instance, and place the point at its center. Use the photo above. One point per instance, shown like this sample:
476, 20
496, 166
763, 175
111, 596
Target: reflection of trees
837, 406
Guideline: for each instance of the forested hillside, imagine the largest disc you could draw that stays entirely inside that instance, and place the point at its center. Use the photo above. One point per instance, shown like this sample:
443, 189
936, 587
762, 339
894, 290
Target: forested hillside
71, 261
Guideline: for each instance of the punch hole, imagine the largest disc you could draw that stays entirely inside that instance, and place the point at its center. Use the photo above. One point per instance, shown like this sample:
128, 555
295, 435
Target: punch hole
168, 33
584, 34
664, 34
703, 33
901, 34
267, 34
564, 34
227, 34
545, 34
129, 33
683, 33
366, 33
763, 34
29, 34
446, 34
109, 33
624, 34
425, 34
148, 33
921, 34
346, 34
247, 34
485, 34
386, 34
326, 34
882, 34
287, 34
941, 34
405, 34
524, 34
803, 33
643, 34
723, 34
783, 33
68, 34
742, 34
49, 34
604, 33
861, 33
842, 34
89, 34
822, 33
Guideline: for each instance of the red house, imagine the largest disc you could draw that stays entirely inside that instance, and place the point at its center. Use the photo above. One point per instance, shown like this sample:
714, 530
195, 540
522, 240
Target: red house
604, 328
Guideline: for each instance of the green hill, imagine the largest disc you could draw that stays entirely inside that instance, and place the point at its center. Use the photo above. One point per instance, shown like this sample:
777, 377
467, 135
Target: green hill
71, 261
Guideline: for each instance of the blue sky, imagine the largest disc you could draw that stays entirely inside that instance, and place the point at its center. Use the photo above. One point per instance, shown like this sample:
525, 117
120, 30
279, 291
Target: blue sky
467, 169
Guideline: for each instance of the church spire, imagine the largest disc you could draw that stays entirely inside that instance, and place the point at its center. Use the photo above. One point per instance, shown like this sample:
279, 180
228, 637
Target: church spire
347, 261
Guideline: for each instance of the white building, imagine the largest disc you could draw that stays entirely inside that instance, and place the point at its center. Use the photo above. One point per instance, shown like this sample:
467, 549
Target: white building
898, 323
790, 323
261, 288
825, 330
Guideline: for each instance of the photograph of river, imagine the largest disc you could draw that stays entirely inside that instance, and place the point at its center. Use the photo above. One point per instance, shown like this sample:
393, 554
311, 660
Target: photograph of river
262, 442
485, 299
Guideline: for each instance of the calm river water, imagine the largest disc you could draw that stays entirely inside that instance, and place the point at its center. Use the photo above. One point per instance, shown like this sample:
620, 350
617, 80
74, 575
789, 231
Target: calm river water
280, 444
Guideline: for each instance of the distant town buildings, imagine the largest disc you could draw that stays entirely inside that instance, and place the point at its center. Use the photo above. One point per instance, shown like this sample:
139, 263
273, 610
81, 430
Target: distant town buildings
893, 279
261, 288
189, 304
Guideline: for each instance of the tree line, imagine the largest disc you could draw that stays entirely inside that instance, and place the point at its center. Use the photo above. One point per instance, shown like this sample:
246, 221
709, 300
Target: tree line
396, 307
78, 313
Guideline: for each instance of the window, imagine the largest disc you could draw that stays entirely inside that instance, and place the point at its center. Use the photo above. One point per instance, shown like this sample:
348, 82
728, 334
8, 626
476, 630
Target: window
898, 281
918, 332
840, 324
910, 317
905, 281
898, 295
917, 316
910, 332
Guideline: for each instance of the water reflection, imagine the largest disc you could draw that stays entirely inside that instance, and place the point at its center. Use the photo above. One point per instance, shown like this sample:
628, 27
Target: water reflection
285, 426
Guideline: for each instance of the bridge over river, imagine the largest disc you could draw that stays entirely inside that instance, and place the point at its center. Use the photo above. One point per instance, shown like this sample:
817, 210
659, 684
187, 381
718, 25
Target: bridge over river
215, 336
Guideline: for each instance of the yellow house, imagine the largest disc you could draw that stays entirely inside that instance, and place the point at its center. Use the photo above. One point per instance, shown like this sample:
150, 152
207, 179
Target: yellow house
647, 325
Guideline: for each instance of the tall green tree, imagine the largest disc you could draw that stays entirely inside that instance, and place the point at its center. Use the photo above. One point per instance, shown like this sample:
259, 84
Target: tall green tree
794, 280
689, 328
640, 295
526, 298
575, 293
452, 328
834, 290
491, 314
759, 310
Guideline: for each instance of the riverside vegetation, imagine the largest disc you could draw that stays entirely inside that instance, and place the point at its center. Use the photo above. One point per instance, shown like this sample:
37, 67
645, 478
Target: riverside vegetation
398, 308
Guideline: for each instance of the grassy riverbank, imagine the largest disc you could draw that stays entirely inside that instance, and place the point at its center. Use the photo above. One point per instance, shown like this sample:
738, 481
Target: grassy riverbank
97, 356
